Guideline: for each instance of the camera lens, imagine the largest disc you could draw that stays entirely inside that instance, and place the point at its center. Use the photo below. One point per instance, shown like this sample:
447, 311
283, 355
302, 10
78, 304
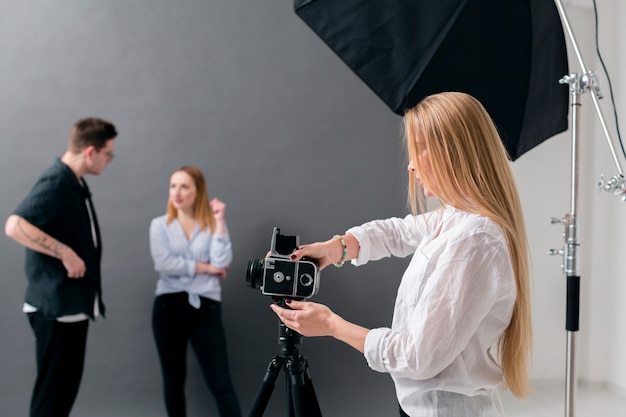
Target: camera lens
254, 273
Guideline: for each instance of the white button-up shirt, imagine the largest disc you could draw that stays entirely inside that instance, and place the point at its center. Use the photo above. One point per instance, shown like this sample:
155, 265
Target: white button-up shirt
454, 302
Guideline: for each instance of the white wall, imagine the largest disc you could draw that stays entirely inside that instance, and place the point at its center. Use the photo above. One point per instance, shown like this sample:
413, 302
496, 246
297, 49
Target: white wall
544, 177
606, 360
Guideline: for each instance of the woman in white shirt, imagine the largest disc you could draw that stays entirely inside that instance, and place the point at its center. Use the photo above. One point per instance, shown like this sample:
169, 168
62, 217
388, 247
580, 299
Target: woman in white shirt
461, 327
191, 249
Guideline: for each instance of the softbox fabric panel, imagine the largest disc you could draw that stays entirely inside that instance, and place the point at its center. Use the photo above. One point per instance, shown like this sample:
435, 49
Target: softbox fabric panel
508, 54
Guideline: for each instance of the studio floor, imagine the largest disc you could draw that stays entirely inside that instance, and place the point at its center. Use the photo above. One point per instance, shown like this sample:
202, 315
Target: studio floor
548, 400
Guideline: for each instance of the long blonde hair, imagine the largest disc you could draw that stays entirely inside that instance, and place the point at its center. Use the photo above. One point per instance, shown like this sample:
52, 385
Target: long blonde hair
201, 208
468, 168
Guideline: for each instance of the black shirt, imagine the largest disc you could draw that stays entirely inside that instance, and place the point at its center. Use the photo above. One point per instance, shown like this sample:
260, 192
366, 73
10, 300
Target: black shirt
57, 204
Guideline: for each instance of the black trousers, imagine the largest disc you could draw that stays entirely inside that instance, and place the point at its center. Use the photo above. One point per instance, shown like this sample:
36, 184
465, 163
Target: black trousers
175, 323
60, 352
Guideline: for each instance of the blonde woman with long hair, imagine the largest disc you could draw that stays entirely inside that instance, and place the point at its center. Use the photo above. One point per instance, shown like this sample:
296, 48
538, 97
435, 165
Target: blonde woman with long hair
461, 328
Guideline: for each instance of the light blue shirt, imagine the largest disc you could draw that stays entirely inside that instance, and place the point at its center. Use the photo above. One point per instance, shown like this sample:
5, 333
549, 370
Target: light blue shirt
175, 259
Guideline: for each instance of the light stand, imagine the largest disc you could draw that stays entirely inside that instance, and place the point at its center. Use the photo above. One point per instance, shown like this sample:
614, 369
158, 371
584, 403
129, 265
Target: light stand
579, 84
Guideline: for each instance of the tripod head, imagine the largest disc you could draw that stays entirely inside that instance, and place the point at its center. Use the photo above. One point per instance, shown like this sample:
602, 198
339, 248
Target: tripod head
287, 337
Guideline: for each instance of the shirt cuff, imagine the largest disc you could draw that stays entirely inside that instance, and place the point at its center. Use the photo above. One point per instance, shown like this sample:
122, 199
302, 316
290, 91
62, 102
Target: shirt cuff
364, 245
225, 238
374, 349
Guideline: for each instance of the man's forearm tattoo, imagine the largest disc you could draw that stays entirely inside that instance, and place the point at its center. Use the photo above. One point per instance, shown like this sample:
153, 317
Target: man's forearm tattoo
52, 245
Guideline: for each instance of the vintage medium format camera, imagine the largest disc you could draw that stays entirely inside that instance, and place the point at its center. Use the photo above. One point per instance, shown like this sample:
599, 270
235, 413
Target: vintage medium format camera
280, 277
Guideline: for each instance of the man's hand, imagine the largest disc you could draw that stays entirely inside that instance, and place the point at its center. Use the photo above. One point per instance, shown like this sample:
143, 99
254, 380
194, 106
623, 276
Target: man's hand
74, 265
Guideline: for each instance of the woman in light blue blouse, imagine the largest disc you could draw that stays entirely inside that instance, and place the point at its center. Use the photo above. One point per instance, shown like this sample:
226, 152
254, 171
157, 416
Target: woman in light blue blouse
192, 252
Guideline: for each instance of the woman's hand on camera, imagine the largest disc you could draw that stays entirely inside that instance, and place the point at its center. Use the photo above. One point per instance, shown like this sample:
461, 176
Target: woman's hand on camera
324, 253
313, 319
306, 318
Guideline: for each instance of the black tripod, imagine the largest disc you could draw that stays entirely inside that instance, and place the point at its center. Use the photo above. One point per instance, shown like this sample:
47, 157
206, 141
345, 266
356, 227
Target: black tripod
301, 398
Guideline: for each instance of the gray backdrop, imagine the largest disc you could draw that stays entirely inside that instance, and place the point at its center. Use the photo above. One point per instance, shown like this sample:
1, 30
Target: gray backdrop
286, 135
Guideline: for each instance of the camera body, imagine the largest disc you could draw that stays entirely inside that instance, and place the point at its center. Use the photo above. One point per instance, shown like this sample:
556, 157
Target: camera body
280, 277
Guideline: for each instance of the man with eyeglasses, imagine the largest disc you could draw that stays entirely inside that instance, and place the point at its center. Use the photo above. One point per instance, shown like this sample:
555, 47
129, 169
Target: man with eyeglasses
57, 224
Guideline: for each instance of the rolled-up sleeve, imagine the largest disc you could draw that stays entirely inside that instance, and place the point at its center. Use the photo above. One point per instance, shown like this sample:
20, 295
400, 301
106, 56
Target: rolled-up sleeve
375, 352
221, 251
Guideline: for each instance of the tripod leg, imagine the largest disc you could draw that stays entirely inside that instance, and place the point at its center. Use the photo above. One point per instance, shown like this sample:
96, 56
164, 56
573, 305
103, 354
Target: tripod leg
310, 394
266, 388
289, 396
304, 398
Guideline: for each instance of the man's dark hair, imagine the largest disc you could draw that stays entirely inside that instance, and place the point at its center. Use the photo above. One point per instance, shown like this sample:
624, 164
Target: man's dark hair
91, 131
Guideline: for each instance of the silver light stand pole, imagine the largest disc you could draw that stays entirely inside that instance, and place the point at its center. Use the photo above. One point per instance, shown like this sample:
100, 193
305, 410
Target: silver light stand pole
579, 84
